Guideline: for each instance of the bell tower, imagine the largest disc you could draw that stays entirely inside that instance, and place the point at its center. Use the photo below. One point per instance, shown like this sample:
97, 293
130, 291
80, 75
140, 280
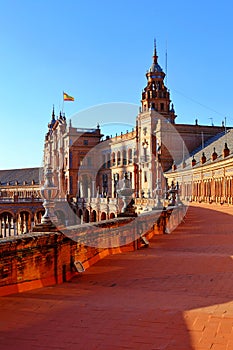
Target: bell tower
155, 95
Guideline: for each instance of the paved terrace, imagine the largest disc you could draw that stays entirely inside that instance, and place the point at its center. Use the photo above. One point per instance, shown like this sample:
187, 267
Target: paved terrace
175, 295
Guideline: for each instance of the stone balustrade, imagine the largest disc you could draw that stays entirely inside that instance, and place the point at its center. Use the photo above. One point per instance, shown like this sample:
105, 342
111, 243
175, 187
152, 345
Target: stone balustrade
45, 258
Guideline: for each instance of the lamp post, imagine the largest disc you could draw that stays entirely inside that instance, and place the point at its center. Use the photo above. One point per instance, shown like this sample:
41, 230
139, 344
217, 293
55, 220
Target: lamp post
158, 189
49, 192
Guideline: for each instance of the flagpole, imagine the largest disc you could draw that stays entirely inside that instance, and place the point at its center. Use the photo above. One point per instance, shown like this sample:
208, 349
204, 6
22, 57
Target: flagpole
62, 102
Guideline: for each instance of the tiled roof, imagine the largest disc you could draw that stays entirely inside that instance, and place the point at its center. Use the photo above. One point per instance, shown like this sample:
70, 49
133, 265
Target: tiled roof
218, 144
19, 176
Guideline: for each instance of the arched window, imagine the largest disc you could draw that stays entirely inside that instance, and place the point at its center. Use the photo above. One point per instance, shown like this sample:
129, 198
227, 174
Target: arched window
113, 159
23, 222
86, 216
6, 224
130, 156
118, 158
93, 216
103, 216
108, 161
124, 158
38, 216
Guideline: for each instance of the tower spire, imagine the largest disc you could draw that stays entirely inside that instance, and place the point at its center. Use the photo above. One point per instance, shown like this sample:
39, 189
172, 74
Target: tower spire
155, 57
53, 113
155, 46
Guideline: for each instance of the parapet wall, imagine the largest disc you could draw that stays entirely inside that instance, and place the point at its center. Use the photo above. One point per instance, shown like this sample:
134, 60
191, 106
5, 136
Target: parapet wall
45, 258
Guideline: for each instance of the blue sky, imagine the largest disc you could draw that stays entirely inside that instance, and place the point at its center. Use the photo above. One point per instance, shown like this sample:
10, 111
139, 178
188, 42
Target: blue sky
98, 52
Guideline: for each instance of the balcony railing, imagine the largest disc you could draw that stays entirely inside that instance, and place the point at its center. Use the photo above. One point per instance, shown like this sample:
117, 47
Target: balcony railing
19, 200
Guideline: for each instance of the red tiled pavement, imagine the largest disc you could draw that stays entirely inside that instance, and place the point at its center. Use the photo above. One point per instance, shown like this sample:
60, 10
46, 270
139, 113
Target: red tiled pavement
175, 295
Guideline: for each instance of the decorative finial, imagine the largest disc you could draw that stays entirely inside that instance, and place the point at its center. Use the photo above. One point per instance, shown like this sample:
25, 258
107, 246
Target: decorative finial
214, 155
53, 113
155, 52
194, 162
226, 151
155, 57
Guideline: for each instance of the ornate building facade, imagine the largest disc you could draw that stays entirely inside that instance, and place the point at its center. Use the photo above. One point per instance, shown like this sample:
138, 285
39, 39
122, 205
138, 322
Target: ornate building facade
208, 174
20, 201
88, 170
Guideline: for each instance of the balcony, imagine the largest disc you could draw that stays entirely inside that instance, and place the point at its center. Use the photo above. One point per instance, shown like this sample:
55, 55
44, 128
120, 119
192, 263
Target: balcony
19, 200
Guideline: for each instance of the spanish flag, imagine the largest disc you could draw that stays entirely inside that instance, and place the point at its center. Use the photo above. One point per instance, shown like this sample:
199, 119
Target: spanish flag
67, 97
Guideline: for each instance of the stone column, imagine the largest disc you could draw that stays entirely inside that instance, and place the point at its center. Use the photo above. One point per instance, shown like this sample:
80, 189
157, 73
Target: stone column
81, 189
21, 223
93, 189
78, 189
15, 228
9, 226
4, 227
25, 226
88, 192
